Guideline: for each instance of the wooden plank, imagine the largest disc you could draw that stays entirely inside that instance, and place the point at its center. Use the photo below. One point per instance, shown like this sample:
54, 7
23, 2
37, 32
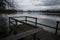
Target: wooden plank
23, 34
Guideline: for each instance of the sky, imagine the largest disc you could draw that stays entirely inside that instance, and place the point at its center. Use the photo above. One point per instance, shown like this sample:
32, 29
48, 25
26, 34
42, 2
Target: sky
37, 4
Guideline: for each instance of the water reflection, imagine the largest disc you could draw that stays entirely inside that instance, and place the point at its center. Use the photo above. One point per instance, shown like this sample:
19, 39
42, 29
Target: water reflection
37, 14
43, 18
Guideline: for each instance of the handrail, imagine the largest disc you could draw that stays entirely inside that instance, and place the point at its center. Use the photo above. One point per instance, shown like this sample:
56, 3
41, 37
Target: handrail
21, 22
16, 16
22, 16
39, 23
44, 25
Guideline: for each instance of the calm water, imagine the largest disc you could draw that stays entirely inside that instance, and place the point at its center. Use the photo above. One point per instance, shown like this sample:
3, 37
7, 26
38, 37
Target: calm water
43, 18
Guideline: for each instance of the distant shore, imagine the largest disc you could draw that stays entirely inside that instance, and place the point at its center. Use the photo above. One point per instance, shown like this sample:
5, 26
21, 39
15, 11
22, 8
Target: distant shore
46, 11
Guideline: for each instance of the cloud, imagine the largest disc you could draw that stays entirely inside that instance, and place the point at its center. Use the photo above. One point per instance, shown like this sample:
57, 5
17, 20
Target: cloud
58, 2
51, 4
47, 2
37, 4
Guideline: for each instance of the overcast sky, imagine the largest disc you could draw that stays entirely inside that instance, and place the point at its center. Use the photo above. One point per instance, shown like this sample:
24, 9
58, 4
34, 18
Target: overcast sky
37, 4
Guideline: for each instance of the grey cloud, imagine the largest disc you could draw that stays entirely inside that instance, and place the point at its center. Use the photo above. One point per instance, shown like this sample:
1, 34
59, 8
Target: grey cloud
50, 2
58, 2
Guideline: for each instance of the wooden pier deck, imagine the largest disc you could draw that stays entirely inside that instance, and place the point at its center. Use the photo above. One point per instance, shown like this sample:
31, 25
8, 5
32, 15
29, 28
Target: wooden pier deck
26, 31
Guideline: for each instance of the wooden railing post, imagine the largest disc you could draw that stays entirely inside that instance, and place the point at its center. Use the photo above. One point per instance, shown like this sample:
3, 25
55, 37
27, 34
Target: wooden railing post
35, 36
10, 25
36, 21
9, 21
56, 28
26, 19
16, 23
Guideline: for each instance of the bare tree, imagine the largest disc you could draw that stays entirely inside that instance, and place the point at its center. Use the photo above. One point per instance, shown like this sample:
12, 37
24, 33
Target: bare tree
4, 3
4, 29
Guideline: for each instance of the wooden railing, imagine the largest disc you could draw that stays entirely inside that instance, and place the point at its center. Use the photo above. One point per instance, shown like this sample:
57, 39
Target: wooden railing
36, 19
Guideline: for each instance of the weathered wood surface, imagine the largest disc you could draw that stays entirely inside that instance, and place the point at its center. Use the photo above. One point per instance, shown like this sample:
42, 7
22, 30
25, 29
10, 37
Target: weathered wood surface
22, 32
43, 34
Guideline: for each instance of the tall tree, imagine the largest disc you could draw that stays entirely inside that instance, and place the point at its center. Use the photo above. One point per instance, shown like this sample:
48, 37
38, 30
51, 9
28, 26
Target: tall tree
4, 3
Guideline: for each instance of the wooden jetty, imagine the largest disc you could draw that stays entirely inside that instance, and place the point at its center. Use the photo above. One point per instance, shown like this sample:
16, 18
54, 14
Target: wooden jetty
22, 30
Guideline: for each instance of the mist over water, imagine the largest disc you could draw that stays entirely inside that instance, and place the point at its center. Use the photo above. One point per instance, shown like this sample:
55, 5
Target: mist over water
49, 19
44, 18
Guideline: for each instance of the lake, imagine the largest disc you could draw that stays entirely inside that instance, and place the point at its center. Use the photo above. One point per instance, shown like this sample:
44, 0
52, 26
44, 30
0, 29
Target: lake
43, 18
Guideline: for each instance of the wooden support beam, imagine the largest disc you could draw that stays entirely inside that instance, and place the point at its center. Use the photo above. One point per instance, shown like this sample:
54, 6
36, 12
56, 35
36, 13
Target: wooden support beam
56, 28
35, 21
35, 36
26, 19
